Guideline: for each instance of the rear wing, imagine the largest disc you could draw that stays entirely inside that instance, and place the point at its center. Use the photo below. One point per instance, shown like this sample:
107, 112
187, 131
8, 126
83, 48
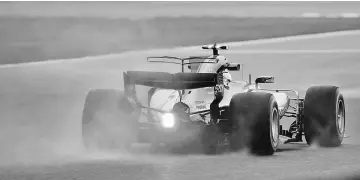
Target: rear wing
164, 80
177, 81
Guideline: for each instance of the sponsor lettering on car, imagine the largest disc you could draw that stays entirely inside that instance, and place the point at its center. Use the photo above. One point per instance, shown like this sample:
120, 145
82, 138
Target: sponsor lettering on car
199, 102
201, 107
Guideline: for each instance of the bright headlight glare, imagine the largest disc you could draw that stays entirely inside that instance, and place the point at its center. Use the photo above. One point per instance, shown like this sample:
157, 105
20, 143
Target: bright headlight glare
168, 120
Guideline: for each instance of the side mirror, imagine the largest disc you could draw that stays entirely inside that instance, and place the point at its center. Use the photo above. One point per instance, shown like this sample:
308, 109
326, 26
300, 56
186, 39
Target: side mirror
189, 67
265, 79
233, 67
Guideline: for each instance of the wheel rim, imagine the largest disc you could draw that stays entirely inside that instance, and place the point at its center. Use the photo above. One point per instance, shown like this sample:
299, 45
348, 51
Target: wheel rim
274, 127
340, 117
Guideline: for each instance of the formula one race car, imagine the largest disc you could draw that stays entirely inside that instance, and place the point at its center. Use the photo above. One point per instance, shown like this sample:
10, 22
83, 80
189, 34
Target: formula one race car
204, 108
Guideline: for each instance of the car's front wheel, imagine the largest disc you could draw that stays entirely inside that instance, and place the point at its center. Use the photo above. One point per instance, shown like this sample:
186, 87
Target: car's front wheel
255, 117
324, 116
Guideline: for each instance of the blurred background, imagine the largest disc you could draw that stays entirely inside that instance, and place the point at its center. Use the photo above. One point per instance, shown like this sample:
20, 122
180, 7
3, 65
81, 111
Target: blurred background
37, 31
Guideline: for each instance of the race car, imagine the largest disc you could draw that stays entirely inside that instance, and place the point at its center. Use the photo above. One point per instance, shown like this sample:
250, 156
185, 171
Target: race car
206, 109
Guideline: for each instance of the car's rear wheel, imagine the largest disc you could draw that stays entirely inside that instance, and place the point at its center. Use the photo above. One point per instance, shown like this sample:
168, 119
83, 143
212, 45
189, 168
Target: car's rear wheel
108, 121
210, 139
255, 117
324, 116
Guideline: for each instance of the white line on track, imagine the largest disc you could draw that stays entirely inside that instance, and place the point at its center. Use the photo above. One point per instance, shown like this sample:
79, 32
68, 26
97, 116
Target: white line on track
192, 48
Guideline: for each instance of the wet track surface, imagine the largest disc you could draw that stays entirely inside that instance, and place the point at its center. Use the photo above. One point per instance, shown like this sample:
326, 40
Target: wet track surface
41, 119
293, 162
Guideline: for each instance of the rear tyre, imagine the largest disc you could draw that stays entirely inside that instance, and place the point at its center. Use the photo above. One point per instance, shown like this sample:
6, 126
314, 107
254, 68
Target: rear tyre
324, 116
108, 121
255, 119
210, 137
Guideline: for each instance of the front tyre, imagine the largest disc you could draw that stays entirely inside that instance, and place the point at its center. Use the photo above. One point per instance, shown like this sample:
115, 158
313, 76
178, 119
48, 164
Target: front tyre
324, 116
255, 118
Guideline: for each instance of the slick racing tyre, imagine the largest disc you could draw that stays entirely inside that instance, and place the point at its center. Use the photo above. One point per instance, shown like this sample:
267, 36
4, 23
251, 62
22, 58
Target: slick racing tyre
324, 116
108, 121
255, 120
210, 137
